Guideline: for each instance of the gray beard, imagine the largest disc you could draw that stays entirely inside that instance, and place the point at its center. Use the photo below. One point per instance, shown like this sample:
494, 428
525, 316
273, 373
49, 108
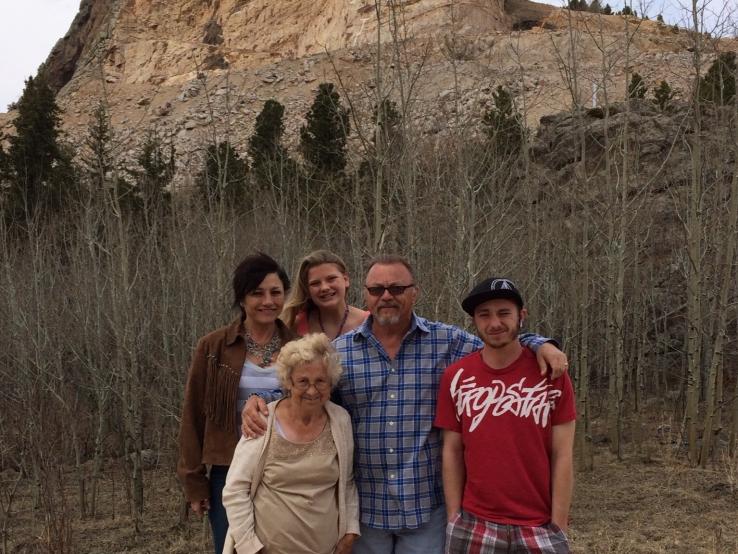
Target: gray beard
387, 320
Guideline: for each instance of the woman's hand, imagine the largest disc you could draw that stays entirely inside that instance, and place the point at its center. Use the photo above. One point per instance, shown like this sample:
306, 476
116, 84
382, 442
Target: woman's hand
549, 356
346, 544
253, 417
199, 507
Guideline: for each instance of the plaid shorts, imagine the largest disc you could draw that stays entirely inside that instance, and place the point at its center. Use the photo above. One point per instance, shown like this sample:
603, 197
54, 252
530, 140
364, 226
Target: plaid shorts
468, 534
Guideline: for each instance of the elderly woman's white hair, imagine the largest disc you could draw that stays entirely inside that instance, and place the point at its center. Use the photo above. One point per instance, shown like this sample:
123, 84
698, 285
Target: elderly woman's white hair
311, 347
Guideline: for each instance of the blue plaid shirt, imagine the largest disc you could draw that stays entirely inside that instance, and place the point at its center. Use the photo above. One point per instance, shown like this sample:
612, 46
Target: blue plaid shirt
397, 456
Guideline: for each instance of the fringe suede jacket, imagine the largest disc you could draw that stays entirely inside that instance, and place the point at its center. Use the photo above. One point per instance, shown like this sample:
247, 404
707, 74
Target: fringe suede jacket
244, 478
208, 431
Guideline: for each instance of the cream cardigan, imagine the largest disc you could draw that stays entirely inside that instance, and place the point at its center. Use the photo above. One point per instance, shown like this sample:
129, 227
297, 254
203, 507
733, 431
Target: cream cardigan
247, 468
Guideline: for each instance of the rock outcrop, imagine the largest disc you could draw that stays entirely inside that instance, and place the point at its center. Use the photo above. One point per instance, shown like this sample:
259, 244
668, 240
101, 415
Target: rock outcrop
154, 40
93, 18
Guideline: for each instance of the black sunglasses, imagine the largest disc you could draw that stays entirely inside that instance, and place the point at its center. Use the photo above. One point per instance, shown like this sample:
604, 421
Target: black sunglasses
394, 290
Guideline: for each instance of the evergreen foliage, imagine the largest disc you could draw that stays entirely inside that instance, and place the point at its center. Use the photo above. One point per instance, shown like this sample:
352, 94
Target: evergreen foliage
98, 165
663, 95
388, 130
157, 171
223, 176
503, 124
96, 155
388, 120
660, 18
266, 142
578, 5
607, 10
37, 169
595, 6
626, 10
637, 88
718, 84
323, 137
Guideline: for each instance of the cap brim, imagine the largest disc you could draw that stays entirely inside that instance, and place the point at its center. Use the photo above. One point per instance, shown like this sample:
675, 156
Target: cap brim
470, 303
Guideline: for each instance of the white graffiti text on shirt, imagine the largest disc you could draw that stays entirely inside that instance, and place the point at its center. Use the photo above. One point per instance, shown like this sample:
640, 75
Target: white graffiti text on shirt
535, 401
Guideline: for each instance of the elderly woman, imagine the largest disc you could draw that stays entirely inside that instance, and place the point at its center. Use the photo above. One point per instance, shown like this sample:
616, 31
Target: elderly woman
292, 489
229, 365
318, 303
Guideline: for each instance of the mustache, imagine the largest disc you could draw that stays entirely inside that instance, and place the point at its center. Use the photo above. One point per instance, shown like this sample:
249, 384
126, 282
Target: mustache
388, 304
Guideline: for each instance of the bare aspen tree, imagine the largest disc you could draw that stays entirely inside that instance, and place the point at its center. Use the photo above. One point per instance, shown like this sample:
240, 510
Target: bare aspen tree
733, 433
616, 259
725, 281
694, 226
379, 136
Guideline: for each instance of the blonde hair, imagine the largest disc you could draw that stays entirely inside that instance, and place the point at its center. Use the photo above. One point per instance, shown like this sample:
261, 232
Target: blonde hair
310, 348
299, 299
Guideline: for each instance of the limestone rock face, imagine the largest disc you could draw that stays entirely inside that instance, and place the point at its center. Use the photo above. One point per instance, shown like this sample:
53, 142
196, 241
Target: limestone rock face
158, 40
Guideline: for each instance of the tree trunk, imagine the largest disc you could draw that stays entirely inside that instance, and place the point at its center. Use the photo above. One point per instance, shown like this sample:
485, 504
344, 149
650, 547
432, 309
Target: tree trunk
714, 375
694, 254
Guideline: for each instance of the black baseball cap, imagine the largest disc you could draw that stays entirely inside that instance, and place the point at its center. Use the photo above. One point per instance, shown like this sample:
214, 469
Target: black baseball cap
489, 289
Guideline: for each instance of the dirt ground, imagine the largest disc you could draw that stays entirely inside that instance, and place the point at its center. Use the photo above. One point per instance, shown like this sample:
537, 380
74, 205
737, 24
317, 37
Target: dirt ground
633, 506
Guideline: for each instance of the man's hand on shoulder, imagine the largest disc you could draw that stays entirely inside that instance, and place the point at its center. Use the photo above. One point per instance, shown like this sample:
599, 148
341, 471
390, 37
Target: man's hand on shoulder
253, 417
548, 356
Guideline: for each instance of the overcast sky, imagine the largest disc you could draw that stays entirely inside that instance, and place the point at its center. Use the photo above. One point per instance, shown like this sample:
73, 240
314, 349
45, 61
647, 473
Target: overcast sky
28, 31
30, 28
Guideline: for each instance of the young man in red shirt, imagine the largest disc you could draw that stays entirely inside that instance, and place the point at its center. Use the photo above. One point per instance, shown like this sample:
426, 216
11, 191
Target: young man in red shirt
508, 437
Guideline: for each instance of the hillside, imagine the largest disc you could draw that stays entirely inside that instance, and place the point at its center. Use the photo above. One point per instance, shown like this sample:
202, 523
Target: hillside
195, 70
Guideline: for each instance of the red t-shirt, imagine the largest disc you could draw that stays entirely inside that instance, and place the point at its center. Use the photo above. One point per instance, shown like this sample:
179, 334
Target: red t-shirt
505, 418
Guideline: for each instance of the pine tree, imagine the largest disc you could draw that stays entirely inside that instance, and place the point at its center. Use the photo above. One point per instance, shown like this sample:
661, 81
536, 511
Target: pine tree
266, 142
662, 96
718, 84
223, 176
607, 10
626, 10
323, 137
96, 156
38, 169
637, 87
503, 125
388, 120
595, 6
387, 137
157, 171
660, 19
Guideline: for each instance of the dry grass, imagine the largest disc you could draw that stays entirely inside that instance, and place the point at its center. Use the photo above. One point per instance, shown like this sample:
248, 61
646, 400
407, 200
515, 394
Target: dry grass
620, 507
658, 506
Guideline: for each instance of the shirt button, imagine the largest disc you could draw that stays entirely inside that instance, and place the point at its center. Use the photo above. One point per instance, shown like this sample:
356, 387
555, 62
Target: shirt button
392, 395
391, 423
392, 475
391, 450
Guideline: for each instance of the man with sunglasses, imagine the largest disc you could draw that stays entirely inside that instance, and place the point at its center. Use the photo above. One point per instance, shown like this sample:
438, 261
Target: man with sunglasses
508, 436
393, 364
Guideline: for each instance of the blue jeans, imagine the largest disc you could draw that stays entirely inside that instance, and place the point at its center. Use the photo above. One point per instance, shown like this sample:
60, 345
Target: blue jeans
429, 538
217, 513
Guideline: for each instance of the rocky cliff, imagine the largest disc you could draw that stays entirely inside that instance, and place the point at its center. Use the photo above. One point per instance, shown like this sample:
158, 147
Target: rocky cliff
156, 41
